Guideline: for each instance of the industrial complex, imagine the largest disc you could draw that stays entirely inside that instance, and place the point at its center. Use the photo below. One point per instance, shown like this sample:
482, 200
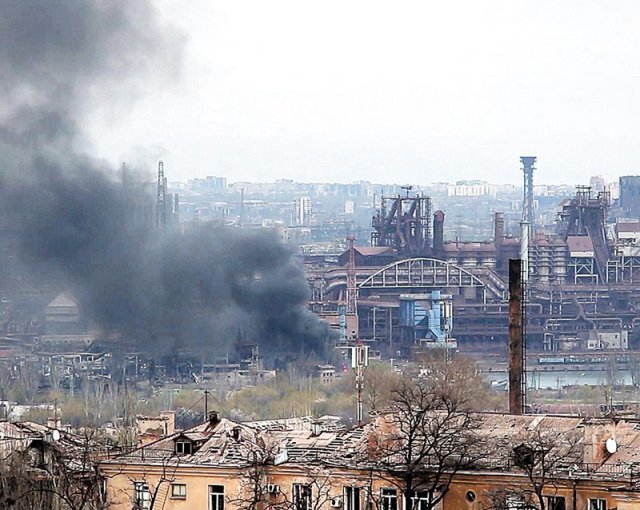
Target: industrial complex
385, 268
580, 277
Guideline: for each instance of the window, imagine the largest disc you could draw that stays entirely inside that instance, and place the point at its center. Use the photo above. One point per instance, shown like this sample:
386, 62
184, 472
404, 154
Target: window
597, 504
352, 498
142, 496
178, 490
301, 496
183, 448
556, 503
420, 500
514, 502
524, 456
216, 497
389, 499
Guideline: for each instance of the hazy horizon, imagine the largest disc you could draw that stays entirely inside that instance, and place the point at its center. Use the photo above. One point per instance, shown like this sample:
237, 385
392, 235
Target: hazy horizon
409, 92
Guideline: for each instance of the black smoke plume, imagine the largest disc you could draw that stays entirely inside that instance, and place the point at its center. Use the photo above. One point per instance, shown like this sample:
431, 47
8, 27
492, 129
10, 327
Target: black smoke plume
205, 287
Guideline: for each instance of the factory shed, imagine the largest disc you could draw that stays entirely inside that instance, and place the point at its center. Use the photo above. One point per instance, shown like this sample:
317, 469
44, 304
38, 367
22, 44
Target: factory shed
369, 256
580, 246
62, 315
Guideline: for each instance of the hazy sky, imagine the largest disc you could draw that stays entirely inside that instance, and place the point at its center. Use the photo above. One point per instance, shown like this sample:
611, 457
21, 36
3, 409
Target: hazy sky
391, 91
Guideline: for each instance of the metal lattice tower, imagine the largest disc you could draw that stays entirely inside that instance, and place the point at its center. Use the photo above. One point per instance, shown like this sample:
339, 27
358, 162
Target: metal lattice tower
526, 225
528, 166
161, 202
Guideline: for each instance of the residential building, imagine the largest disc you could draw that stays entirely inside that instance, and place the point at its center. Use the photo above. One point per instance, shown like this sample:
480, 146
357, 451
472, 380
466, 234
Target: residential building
592, 464
46, 467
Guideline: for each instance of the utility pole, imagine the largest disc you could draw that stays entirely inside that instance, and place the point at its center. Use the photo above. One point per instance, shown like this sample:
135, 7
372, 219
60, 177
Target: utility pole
446, 314
359, 361
206, 404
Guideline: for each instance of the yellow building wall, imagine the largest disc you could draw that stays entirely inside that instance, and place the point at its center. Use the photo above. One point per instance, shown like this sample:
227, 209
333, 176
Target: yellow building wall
121, 492
325, 486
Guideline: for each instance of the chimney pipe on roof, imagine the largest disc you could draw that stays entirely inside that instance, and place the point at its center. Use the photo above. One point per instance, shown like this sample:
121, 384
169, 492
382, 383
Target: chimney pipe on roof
316, 428
214, 417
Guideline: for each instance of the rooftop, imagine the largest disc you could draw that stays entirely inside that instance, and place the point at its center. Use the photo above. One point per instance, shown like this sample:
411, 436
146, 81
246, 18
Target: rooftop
297, 442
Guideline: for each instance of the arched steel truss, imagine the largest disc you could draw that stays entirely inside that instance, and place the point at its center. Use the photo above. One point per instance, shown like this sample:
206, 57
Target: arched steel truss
421, 273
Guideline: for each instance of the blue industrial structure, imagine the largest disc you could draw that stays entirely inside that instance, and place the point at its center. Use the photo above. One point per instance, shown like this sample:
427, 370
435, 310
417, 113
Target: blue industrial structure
427, 317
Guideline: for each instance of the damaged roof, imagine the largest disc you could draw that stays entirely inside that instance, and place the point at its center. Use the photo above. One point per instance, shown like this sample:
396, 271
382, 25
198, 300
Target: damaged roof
225, 443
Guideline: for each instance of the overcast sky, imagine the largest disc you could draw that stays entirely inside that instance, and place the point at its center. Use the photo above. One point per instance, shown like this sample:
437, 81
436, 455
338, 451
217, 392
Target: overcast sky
391, 91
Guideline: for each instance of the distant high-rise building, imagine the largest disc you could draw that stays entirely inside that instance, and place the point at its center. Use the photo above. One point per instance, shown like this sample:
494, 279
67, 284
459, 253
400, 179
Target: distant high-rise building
349, 207
630, 194
303, 210
211, 184
597, 183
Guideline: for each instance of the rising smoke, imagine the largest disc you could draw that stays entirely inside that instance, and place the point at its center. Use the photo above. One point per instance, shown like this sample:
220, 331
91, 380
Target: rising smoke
206, 287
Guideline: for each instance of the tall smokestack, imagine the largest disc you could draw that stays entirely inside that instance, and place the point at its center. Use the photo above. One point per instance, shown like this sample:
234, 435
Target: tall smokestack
176, 208
516, 338
438, 234
498, 229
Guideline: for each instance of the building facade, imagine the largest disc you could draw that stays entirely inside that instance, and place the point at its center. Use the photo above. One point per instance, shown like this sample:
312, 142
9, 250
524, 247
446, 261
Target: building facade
568, 462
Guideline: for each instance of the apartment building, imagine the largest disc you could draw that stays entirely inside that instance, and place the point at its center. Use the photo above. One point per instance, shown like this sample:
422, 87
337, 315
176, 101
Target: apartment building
511, 463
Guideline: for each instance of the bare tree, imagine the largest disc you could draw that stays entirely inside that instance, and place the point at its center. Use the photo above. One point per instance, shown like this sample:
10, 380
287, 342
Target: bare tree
458, 378
152, 496
55, 378
257, 492
44, 475
253, 491
544, 458
633, 363
424, 440
28, 380
378, 385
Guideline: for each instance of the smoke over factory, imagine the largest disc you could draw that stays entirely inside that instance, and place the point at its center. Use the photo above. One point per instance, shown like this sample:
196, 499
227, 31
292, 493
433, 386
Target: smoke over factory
67, 218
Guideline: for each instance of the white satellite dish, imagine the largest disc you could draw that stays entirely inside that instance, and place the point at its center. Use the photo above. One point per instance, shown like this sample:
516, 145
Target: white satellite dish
611, 445
281, 458
55, 435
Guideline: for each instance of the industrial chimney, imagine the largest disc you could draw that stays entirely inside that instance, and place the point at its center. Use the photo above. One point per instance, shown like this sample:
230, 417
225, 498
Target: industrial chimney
516, 338
438, 234
498, 229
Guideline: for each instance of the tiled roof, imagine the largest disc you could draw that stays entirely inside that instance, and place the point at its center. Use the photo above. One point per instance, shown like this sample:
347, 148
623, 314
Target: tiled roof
579, 243
20, 436
369, 251
628, 227
580, 442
